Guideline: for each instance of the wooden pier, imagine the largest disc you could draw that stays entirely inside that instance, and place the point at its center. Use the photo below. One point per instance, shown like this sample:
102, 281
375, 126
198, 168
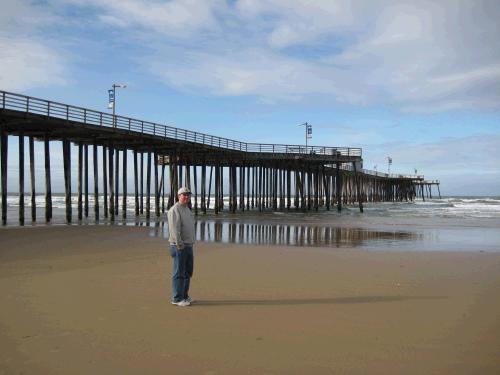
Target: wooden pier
249, 176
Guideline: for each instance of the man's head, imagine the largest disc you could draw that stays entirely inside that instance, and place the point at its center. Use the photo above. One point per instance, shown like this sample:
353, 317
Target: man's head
184, 195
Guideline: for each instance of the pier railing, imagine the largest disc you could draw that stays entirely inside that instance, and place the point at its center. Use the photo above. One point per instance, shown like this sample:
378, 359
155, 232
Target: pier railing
32, 105
349, 167
392, 175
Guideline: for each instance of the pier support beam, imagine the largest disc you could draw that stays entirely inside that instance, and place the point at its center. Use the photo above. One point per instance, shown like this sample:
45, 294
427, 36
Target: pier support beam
111, 185
124, 184
4, 149
203, 188
105, 181
148, 187
79, 181
210, 187
21, 179
249, 169
195, 190
86, 179
136, 185
162, 188
157, 188
338, 188
141, 183
48, 185
358, 190
67, 177
217, 187
96, 183
117, 179
32, 175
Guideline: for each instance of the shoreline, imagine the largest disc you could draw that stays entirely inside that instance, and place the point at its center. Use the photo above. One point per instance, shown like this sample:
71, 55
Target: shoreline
96, 299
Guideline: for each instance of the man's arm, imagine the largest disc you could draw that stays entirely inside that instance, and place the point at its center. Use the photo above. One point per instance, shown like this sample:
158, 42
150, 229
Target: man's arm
175, 228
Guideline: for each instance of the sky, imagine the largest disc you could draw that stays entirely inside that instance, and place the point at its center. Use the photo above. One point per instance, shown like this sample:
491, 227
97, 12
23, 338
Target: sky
417, 82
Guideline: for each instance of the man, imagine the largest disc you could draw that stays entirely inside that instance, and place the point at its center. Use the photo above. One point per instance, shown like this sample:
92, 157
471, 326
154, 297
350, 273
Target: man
181, 238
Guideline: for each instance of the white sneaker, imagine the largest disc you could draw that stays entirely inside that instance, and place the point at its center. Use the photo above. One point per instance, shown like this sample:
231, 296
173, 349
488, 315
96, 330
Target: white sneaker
189, 299
183, 303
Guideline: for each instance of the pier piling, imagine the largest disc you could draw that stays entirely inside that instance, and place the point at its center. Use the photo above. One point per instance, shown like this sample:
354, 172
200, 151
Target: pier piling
259, 176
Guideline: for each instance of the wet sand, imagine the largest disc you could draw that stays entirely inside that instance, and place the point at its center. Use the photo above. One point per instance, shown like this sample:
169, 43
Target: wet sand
96, 300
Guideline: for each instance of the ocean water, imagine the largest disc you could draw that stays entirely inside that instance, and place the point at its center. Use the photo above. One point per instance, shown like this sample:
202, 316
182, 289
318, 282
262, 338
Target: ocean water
447, 224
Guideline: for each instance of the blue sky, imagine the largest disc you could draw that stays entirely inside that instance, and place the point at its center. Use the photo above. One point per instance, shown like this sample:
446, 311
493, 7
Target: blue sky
419, 83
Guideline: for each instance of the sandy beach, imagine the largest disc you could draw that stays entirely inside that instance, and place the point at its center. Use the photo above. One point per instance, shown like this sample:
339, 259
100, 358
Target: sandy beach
96, 300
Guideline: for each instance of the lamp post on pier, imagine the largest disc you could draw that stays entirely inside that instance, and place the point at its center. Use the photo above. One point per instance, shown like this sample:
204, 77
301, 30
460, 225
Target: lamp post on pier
112, 99
308, 128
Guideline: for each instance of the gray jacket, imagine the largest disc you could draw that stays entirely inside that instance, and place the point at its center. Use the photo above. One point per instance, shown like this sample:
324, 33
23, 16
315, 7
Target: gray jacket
180, 225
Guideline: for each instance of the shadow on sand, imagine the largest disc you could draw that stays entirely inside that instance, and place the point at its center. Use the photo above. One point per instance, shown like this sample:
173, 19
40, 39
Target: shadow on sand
314, 301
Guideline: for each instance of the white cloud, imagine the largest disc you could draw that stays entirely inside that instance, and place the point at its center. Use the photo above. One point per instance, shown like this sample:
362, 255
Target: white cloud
255, 72
179, 18
28, 63
27, 59
416, 57
294, 22
21, 14
424, 56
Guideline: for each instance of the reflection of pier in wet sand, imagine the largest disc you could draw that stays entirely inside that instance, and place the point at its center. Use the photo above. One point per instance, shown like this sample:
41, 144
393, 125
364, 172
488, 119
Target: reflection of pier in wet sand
292, 234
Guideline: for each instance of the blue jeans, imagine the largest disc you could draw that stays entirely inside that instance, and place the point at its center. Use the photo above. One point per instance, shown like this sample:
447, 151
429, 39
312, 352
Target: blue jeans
182, 271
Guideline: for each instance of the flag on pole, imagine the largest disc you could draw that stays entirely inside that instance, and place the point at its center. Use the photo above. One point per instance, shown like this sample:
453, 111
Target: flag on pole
389, 160
111, 102
309, 131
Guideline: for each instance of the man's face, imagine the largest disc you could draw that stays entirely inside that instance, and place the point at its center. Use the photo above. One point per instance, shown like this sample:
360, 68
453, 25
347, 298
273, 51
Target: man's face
184, 198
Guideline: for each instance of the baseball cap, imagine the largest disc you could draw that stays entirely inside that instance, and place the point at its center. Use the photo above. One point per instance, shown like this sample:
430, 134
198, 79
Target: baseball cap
183, 190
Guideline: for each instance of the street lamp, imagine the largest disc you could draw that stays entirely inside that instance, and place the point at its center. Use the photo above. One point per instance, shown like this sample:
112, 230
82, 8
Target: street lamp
308, 128
112, 99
